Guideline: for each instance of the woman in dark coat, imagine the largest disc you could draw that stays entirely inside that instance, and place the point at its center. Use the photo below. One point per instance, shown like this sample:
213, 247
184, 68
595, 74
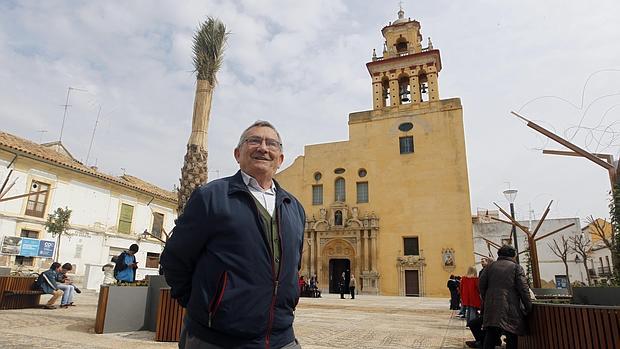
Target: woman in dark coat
506, 299
453, 286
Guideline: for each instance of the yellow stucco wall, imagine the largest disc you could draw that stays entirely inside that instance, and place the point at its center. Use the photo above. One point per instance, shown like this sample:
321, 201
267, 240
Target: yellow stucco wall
423, 194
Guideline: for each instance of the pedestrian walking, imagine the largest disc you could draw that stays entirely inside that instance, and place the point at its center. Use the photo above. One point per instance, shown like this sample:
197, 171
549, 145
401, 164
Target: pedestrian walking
506, 298
352, 286
342, 284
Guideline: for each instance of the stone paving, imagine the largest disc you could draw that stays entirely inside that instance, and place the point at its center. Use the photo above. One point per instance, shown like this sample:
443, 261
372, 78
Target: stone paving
328, 322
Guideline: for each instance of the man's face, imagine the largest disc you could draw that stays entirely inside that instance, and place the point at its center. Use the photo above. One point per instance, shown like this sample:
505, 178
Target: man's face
64, 271
260, 160
484, 262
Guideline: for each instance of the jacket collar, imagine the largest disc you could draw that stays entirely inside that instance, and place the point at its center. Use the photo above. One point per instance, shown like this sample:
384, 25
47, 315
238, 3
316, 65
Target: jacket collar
505, 258
236, 185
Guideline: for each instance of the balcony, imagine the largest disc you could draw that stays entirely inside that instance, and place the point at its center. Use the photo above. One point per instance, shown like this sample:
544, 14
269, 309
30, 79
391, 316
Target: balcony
403, 53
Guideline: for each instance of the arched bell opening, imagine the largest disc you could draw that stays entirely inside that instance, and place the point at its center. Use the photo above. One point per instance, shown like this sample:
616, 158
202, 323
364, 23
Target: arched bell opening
404, 89
385, 87
402, 46
423, 80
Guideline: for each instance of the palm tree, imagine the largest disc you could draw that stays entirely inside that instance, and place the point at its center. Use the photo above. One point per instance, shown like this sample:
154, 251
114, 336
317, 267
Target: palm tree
208, 49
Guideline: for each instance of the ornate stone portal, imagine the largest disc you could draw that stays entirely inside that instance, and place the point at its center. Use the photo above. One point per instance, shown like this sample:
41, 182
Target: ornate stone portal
415, 263
341, 233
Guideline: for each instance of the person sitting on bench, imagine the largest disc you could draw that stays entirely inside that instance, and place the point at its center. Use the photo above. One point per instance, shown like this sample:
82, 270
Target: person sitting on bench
47, 283
66, 285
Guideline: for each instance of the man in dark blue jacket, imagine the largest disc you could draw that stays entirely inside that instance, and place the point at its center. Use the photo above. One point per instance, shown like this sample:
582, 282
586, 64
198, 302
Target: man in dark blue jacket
234, 254
47, 283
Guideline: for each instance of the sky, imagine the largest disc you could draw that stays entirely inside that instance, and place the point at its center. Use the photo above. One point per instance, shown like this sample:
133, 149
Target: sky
301, 65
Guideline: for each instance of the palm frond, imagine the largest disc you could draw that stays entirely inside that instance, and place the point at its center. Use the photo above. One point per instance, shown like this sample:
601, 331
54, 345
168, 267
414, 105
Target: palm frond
209, 43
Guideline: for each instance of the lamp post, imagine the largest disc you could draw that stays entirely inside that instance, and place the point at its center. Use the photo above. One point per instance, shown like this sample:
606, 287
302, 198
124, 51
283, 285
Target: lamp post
511, 195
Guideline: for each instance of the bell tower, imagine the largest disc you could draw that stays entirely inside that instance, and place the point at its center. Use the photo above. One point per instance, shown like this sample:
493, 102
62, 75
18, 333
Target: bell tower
407, 72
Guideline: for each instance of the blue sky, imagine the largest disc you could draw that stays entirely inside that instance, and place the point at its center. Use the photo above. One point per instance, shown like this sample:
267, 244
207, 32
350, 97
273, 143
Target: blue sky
301, 65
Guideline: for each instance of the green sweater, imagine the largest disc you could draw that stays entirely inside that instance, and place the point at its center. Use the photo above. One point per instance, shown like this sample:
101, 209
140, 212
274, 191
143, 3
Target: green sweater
270, 228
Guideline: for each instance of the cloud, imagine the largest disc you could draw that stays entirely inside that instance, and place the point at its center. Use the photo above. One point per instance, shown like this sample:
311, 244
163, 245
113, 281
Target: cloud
302, 66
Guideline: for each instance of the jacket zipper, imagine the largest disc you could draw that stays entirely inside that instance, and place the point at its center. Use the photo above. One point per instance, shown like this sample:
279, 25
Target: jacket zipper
276, 284
215, 303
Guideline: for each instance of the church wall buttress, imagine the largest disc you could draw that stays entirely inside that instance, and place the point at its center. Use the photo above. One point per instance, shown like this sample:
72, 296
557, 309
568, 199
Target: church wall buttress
414, 86
433, 86
394, 97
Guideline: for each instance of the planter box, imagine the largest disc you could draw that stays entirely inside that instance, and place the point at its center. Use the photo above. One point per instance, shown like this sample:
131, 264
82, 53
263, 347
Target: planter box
609, 296
121, 309
156, 283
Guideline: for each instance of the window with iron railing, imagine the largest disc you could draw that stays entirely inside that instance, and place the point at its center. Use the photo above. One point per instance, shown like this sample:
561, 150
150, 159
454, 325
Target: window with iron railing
317, 194
340, 192
411, 246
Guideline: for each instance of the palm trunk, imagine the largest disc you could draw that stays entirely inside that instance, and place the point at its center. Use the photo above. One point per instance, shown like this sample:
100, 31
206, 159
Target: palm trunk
202, 112
194, 172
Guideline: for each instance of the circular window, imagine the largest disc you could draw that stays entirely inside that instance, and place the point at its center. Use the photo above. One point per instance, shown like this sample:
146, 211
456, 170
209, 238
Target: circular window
317, 176
339, 170
362, 172
405, 126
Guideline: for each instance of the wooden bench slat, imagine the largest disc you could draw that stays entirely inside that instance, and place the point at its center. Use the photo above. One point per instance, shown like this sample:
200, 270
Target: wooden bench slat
614, 323
169, 318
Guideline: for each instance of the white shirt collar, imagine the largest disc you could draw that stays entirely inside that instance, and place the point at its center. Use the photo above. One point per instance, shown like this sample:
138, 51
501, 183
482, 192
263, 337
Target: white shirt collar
253, 183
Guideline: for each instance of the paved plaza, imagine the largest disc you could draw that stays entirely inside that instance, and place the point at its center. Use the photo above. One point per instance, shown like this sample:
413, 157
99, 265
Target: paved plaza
328, 322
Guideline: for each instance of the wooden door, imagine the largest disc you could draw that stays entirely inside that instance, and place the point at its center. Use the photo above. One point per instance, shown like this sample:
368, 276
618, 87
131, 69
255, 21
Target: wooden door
412, 283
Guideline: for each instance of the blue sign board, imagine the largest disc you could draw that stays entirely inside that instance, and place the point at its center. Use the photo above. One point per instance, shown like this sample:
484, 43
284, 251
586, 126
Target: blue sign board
46, 248
30, 247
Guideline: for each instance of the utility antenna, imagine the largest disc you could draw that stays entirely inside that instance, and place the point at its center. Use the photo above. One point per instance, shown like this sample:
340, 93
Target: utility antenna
67, 105
41, 135
92, 138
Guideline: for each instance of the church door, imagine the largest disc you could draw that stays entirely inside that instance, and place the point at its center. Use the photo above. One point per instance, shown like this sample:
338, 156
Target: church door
336, 268
412, 283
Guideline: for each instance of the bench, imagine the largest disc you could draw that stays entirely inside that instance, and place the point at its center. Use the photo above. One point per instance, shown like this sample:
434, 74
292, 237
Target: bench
307, 292
562, 326
16, 292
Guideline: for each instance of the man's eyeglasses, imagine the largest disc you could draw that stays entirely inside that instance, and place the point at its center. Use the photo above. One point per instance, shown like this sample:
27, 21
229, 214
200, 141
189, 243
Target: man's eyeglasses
256, 141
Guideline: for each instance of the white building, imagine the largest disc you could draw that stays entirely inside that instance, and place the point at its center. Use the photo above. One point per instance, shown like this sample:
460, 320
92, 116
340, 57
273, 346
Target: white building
108, 213
552, 270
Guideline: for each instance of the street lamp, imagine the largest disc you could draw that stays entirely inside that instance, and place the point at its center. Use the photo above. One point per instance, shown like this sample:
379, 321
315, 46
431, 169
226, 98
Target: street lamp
511, 195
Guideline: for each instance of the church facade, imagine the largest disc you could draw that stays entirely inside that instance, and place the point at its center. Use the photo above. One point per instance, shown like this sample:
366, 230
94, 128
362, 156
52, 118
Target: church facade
390, 205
